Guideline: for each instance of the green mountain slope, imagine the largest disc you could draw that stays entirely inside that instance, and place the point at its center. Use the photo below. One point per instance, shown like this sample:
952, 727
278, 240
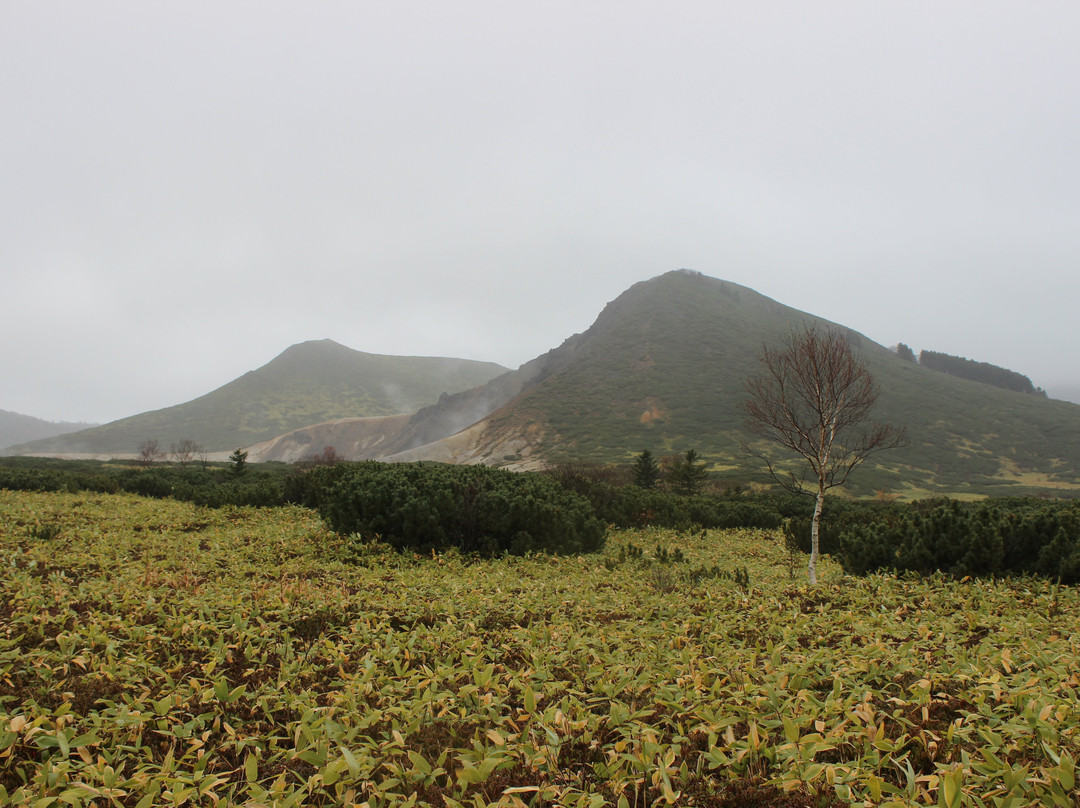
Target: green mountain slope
307, 383
663, 367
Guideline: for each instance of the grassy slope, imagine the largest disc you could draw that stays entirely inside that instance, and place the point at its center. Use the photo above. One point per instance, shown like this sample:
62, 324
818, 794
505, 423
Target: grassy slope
679, 346
157, 650
306, 384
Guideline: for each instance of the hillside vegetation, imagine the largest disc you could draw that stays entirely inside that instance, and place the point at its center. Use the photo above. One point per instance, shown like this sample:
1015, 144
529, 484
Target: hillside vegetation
159, 653
306, 384
662, 368
978, 372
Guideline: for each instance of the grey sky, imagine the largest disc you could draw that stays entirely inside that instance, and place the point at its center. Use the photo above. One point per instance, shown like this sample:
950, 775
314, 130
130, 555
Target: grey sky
186, 189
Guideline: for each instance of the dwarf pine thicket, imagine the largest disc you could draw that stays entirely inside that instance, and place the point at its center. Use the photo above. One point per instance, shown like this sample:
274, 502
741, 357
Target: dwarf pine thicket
489, 512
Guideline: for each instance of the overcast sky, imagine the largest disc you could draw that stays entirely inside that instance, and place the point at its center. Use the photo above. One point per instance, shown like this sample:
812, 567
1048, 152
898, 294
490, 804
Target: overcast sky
188, 188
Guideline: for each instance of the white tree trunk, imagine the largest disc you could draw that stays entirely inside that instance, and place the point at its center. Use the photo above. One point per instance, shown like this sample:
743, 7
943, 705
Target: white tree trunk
811, 569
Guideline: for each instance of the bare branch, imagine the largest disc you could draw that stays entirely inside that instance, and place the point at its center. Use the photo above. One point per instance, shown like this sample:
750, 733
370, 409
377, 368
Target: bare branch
813, 397
185, 451
149, 453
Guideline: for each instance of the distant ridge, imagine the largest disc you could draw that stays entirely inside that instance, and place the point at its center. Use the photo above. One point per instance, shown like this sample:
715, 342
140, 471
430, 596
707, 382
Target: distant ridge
16, 428
663, 367
305, 384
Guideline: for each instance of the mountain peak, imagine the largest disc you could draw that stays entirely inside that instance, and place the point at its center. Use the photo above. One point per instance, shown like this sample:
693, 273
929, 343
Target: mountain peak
307, 383
662, 368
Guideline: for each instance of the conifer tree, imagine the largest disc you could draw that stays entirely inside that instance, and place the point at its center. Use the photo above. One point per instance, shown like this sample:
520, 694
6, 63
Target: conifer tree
688, 474
239, 461
646, 470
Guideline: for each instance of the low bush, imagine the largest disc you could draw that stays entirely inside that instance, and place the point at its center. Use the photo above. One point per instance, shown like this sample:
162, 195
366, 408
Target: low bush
625, 506
989, 538
29, 479
212, 487
474, 509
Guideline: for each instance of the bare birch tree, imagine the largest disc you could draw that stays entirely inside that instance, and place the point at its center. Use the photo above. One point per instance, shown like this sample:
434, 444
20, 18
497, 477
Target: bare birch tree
184, 451
149, 453
813, 396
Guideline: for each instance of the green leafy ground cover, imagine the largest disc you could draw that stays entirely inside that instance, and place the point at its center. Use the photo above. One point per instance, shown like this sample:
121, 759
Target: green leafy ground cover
153, 652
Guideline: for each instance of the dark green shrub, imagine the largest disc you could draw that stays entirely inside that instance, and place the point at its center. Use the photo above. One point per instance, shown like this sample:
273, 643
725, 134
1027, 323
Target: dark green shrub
724, 512
309, 486
995, 537
1060, 557
146, 483
633, 506
474, 509
98, 483
255, 493
21, 479
214, 489
262, 485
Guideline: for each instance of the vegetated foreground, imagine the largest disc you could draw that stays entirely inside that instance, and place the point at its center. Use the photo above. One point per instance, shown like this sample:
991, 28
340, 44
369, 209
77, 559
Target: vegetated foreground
157, 653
